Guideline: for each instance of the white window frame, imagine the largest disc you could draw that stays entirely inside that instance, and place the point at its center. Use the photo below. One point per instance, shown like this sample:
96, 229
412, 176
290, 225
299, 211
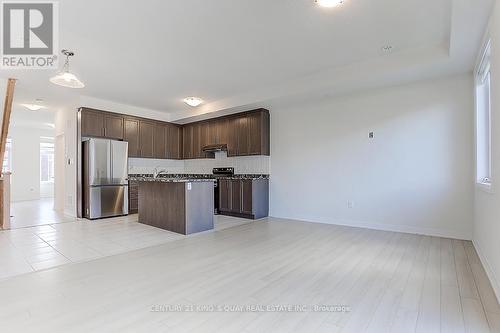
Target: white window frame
482, 90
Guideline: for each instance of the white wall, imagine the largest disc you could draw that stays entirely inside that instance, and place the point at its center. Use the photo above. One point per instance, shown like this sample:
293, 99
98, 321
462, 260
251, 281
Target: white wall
66, 126
415, 175
26, 163
487, 204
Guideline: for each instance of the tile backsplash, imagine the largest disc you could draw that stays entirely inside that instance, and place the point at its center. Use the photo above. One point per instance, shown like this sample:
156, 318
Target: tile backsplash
147, 165
241, 165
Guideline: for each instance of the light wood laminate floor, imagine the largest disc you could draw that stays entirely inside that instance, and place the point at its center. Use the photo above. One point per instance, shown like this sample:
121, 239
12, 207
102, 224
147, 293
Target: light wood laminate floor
388, 282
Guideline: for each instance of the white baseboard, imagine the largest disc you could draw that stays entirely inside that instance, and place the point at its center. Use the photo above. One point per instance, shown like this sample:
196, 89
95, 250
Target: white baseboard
389, 227
489, 271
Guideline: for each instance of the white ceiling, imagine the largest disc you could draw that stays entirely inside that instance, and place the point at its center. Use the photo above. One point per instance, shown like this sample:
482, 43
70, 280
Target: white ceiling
238, 53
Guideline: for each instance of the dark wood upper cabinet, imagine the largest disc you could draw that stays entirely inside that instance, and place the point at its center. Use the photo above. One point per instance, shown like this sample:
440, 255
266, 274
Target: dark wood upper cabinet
113, 126
131, 135
92, 123
196, 150
213, 134
232, 136
146, 138
174, 142
258, 130
205, 138
159, 141
245, 133
187, 138
222, 127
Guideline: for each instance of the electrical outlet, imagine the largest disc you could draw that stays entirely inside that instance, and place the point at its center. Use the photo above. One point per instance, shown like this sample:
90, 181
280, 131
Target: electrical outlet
350, 204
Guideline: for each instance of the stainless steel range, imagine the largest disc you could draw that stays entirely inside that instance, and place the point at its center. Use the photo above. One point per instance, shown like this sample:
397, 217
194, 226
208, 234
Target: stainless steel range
220, 172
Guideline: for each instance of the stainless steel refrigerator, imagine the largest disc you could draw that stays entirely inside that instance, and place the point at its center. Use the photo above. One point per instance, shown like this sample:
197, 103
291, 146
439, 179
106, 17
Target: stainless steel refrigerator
105, 178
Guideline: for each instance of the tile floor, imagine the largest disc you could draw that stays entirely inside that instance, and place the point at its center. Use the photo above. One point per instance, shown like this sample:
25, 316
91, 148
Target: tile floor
35, 212
36, 248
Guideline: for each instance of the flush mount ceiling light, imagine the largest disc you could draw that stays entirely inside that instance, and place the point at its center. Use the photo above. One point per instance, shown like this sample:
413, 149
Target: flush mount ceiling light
35, 106
65, 78
386, 48
193, 101
329, 3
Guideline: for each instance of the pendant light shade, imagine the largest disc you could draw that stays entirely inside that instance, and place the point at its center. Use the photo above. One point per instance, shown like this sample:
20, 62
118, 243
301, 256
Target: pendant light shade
65, 78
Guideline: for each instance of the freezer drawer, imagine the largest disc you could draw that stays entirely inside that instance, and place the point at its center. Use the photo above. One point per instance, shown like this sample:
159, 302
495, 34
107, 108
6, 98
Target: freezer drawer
107, 201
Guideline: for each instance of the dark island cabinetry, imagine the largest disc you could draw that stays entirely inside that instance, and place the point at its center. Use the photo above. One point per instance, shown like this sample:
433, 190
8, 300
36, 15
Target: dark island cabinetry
247, 198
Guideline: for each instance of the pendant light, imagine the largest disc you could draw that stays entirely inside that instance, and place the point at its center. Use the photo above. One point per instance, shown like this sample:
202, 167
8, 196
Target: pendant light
65, 78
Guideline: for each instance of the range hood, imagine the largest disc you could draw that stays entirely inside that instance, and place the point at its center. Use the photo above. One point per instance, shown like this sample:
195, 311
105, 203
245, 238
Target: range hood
215, 148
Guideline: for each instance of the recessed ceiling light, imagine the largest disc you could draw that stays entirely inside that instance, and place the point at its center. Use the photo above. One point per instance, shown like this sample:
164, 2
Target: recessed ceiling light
329, 3
193, 101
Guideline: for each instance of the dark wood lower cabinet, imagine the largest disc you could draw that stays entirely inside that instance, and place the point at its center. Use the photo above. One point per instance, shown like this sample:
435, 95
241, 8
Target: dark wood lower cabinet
225, 196
248, 198
133, 197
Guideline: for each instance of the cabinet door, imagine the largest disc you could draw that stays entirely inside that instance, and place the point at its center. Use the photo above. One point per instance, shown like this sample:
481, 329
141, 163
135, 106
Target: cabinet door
174, 142
213, 135
146, 140
113, 126
222, 128
204, 134
236, 196
243, 136
133, 198
159, 141
232, 136
131, 135
255, 133
92, 123
196, 152
246, 196
187, 141
225, 195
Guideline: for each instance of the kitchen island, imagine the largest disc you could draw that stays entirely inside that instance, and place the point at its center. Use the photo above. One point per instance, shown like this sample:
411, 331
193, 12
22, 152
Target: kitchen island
181, 205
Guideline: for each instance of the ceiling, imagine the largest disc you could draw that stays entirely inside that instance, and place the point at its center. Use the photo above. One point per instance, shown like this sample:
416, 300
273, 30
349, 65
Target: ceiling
235, 54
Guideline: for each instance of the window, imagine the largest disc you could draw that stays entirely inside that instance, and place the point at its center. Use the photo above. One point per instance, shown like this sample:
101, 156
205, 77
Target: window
7, 159
483, 118
46, 162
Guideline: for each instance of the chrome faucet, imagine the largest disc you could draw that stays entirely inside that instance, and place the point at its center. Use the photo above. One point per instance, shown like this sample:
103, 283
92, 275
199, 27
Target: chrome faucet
158, 172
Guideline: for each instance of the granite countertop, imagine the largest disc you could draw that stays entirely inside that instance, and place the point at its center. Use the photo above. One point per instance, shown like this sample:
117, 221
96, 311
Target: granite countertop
192, 177
169, 178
